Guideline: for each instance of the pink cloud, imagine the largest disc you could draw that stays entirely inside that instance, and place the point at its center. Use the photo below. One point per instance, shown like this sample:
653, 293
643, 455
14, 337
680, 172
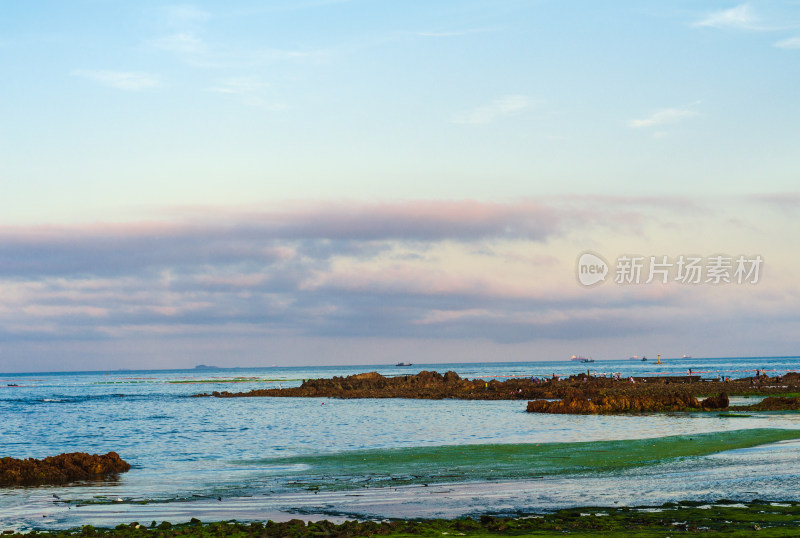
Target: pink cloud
351, 269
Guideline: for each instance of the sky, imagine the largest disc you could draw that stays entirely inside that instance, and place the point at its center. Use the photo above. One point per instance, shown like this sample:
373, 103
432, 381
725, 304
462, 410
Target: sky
257, 183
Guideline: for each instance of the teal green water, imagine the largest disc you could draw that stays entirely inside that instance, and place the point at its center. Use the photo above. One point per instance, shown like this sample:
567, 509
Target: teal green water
509, 461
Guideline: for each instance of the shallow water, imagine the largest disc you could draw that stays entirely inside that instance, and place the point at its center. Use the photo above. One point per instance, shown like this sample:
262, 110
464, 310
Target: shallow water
189, 452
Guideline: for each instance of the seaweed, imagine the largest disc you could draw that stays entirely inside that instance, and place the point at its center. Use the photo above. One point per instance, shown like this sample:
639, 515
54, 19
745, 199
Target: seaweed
723, 518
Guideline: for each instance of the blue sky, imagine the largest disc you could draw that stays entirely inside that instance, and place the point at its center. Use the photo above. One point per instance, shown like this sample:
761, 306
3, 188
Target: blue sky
366, 181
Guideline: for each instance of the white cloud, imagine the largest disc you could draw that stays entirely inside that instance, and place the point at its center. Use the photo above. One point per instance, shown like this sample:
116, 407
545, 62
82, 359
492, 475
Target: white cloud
180, 43
249, 91
239, 86
741, 17
122, 80
197, 52
663, 117
457, 33
288, 6
186, 15
504, 106
791, 43
186, 27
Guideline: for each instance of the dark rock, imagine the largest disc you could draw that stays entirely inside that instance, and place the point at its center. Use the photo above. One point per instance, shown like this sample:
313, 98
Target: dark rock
451, 377
716, 402
60, 469
614, 403
775, 403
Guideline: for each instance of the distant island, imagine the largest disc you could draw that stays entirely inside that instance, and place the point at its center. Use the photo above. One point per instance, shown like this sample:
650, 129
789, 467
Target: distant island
206, 367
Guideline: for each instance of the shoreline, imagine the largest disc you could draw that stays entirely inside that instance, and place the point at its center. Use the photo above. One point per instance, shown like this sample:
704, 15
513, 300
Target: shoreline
724, 516
367, 489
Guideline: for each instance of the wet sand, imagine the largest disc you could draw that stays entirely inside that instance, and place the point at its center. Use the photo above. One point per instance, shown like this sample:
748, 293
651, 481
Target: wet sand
451, 502
657, 474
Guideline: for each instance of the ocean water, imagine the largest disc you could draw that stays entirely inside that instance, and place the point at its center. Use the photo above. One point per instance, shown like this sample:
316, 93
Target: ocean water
221, 458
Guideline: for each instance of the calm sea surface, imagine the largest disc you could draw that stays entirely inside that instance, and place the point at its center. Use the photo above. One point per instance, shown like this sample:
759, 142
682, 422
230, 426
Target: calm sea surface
204, 457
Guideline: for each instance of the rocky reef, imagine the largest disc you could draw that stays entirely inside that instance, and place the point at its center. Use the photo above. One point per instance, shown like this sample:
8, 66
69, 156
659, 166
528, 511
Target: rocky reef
424, 385
622, 403
578, 394
60, 469
772, 403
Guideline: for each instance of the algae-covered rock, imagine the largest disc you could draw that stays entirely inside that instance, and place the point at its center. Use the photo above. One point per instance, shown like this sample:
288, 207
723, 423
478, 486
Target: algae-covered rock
775, 403
615, 403
60, 469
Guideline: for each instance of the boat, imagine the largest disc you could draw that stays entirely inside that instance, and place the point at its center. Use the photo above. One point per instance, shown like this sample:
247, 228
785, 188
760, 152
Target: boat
644, 359
685, 356
404, 364
581, 359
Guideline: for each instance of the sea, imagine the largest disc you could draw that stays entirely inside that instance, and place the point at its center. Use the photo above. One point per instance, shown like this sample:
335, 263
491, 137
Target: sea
222, 459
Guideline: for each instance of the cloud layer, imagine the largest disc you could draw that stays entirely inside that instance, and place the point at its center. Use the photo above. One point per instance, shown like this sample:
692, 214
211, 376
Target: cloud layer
664, 116
345, 269
455, 270
405, 272
499, 108
740, 17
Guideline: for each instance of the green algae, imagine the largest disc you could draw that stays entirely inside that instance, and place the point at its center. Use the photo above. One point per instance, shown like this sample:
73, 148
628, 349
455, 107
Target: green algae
422, 465
722, 518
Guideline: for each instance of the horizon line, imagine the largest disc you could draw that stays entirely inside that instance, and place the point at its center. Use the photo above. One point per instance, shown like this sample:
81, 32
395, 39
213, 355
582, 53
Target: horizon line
204, 367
